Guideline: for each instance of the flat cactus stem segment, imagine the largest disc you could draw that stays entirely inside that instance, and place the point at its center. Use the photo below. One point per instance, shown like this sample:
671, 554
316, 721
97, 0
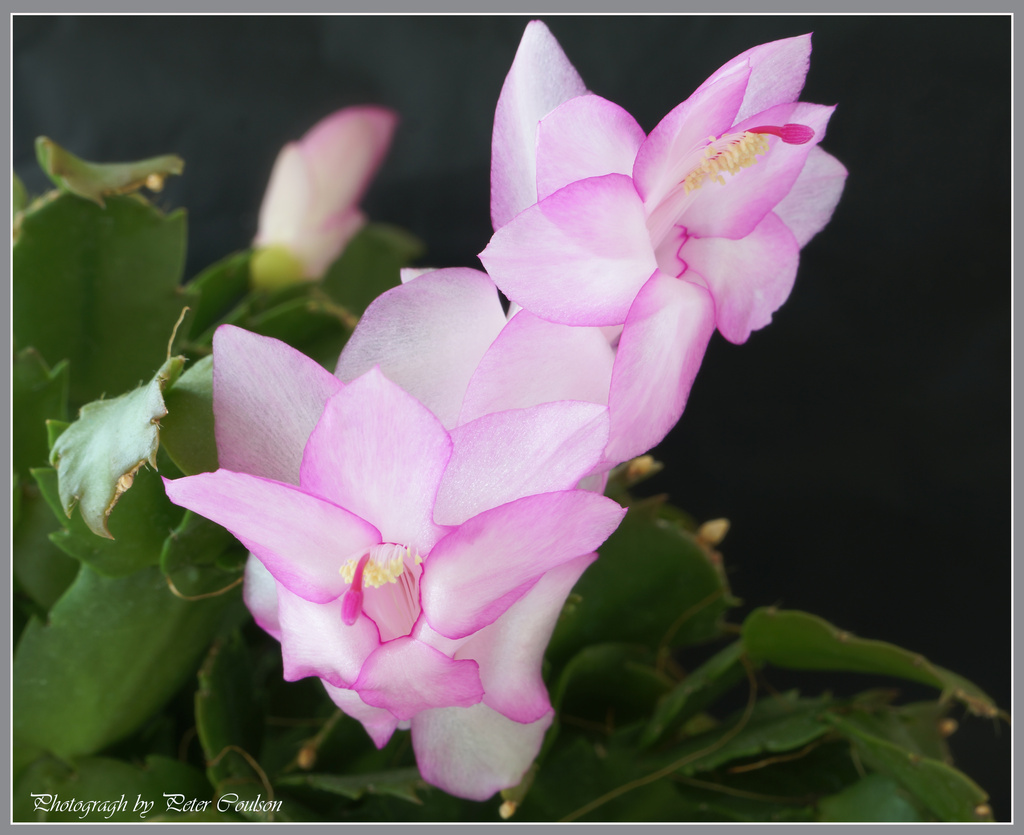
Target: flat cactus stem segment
97, 457
801, 641
95, 180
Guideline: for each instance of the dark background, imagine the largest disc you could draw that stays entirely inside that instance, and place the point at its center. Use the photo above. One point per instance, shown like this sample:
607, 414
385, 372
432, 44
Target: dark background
860, 444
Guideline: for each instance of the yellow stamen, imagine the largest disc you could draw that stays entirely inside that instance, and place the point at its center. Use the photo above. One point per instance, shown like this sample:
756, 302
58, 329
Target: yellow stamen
730, 153
376, 574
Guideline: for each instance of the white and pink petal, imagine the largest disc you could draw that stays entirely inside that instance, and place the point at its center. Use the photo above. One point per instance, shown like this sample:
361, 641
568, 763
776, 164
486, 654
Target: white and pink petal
579, 256
259, 591
301, 539
587, 136
508, 455
776, 73
406, 677
267, 397
318, 246
510, 651
659, 353
380, 453
665, 157
316, 642
428, 335
540, 79
534, 361
749, 279
343, 152
287, 198
474, 752
813, 197
480, 569
379, 724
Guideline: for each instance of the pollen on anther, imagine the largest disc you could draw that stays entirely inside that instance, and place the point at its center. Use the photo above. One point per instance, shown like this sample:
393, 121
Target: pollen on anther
385, 565
729, 153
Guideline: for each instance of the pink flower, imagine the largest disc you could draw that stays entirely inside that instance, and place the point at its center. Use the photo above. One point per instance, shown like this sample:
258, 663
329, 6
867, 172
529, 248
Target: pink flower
722, 194
310, 209
418, 572
656, 240
617, 312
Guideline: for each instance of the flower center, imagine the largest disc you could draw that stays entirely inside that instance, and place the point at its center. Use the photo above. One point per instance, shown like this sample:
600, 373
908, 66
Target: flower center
383, 585
733, 152
728, 154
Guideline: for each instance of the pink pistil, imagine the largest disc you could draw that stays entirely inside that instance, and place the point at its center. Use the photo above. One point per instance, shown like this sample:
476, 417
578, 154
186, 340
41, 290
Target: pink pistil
352, 602
791, 134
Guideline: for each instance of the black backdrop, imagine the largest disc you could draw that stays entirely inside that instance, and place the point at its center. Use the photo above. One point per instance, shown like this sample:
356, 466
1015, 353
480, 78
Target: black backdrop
860, 444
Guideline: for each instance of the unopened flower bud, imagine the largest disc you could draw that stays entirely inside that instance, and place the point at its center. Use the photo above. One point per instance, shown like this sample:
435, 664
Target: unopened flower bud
306, 758
310, 209
713, 531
